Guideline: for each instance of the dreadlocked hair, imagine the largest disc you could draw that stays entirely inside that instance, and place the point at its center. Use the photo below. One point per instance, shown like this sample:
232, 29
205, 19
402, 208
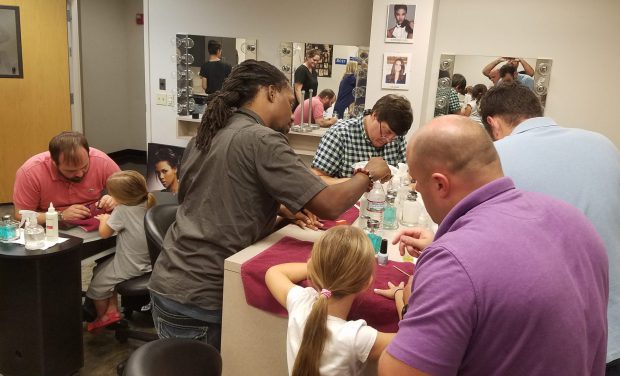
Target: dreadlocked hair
239, 88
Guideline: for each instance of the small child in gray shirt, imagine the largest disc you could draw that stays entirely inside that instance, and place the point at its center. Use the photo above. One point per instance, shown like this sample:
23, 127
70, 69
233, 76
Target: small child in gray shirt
128, 188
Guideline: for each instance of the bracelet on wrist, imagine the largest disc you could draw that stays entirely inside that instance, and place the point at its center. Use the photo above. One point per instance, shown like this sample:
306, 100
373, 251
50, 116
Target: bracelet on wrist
60, 216
363, 171
404, 310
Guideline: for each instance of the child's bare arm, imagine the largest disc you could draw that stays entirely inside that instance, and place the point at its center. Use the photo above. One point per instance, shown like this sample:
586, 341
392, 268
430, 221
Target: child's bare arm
383, 339
105, 231
281, 278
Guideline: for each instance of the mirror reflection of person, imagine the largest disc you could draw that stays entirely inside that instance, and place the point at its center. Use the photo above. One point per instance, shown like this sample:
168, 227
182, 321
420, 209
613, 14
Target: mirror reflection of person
345, 89
403, 28
397, 75
214, 72
325, 100
166, 166
492, 71
306, 77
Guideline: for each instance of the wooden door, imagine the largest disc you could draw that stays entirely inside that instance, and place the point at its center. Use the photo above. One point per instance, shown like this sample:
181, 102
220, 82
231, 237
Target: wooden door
36, 107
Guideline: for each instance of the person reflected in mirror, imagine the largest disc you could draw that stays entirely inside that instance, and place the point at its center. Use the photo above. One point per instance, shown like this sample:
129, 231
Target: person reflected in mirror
404, 27
214, 71
397, 75
472, 108
378, 133
320, 104
533, 290
237, 174
574, 165
345, 90
71, 175
449, 96
508, 73
306, 77
166, 168
492, 70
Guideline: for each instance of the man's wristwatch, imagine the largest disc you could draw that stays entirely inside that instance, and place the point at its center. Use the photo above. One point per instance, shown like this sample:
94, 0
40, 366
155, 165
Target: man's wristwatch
60, 217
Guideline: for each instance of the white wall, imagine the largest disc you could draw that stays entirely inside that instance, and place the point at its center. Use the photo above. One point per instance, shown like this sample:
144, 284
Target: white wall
344, 22
112, 48
582, 38
420, 50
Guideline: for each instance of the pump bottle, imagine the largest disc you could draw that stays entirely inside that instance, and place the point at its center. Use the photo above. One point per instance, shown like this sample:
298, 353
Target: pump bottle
51, 224
34, 234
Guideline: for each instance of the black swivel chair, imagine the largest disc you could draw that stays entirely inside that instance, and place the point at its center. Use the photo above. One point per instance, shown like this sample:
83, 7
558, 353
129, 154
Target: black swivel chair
134, 292
174, 357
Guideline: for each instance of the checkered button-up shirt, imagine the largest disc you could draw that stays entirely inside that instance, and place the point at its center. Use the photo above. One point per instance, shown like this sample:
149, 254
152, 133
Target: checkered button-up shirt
452, 101
346, 143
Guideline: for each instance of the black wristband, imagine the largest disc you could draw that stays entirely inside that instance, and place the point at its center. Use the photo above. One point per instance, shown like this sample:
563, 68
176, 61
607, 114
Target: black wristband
404, 310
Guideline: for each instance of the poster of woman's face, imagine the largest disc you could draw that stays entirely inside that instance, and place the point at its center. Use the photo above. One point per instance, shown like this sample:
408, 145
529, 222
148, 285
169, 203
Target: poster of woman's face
395, 71
164, 166
399, 25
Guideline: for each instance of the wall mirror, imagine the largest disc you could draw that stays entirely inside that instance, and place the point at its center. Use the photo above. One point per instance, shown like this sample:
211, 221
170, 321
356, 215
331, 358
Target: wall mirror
331, 69
534, 72
192, 53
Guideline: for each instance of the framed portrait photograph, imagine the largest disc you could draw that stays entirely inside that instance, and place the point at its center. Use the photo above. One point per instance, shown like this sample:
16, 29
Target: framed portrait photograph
10, 43
323, 67
399, 23
163, 167
395, 71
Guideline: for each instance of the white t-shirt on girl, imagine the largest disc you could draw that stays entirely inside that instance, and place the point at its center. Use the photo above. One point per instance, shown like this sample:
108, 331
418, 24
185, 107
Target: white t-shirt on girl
349, 343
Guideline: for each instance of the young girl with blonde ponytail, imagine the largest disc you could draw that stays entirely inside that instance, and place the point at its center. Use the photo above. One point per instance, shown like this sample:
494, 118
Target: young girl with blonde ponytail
128, 189
320, 340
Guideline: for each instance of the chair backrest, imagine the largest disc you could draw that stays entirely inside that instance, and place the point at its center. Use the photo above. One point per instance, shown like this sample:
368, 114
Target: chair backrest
156, 223
174, 357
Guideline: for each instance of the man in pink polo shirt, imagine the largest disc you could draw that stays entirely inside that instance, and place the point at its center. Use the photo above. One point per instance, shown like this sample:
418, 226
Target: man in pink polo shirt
325, 100
71, 175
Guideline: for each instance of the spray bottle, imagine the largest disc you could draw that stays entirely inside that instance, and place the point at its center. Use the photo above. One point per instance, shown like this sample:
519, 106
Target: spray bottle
34, 234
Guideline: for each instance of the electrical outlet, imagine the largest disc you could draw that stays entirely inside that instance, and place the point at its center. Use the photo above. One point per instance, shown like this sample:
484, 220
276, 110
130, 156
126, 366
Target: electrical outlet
160, 99
170, 100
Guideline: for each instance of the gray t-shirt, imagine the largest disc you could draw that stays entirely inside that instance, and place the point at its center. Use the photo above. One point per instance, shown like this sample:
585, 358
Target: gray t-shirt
132, 255
229, 197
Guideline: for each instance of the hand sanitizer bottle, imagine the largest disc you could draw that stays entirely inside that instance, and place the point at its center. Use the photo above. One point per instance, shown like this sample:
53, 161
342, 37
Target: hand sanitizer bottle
34, 234
411, 210
51, 224
390, 221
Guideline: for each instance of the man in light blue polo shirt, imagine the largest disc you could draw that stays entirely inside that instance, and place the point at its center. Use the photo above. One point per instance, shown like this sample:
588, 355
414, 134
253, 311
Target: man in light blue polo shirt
574, 165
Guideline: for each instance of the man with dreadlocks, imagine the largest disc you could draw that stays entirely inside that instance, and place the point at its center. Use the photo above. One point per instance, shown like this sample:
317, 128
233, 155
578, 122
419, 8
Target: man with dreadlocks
238, 172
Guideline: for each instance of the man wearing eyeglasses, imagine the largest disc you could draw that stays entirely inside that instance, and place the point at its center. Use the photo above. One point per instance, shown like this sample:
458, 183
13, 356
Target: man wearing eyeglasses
379, 133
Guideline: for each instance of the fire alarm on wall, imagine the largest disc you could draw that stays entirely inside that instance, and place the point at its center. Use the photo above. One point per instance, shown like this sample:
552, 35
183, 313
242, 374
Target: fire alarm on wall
139, 18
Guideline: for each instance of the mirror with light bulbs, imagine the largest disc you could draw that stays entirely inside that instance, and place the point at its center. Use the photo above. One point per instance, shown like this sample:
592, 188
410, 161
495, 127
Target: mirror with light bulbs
532, 72
191, 55
331, 69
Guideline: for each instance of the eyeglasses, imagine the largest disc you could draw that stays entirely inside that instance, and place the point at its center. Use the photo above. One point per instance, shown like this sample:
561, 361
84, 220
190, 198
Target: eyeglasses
389, 135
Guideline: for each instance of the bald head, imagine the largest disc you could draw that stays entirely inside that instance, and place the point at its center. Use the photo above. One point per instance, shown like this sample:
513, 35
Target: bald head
456, 145
450, 157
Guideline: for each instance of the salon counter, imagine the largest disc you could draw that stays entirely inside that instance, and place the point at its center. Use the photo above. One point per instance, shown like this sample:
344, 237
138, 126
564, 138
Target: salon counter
254, 341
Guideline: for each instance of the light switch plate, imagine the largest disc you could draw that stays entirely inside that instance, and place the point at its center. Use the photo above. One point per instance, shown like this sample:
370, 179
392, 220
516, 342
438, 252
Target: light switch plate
170, 101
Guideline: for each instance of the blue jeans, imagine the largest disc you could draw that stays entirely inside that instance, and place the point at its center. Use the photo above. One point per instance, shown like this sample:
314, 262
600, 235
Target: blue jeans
170, 323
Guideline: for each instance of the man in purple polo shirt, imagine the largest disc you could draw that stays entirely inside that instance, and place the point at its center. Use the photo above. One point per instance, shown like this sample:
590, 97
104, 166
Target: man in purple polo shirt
514, 283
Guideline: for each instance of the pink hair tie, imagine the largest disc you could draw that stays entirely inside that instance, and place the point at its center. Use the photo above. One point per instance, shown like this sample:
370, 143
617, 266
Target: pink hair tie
326, 293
